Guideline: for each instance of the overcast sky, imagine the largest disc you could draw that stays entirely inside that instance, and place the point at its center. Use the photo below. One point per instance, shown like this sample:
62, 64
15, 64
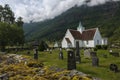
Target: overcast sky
38, 10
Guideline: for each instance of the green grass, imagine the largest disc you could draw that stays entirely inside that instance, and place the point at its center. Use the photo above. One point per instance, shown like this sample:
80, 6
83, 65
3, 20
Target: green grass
85, 66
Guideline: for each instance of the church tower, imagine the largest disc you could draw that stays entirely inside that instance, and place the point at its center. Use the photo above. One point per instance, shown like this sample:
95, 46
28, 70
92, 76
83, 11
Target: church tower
80, 28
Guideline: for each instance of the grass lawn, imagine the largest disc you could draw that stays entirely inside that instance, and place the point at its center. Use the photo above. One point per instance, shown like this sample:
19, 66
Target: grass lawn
85, 66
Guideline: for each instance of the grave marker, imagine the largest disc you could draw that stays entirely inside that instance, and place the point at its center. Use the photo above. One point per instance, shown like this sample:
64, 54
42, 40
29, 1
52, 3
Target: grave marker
71, 63
36, 54
78, 59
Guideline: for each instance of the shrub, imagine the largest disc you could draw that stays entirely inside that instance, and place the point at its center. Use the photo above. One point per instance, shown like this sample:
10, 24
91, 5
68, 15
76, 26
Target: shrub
98, 46
43, 46
105, 47
34, 64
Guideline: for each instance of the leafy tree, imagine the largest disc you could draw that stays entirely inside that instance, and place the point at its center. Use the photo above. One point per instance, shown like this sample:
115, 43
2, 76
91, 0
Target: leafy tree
11, 32
43, 46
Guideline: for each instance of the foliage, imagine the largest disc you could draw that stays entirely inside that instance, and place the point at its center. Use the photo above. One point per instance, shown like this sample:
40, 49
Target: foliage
103, 16
35, 64
43, 46
105, 47
98, 46
11, 32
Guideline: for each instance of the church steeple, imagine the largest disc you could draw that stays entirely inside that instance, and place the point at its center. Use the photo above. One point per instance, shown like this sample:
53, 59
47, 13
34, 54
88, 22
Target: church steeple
80, 28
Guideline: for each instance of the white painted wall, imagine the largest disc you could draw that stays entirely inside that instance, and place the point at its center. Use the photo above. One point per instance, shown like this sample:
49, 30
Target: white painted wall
80, 43
90, 43
104, 41
97, 38
68, 35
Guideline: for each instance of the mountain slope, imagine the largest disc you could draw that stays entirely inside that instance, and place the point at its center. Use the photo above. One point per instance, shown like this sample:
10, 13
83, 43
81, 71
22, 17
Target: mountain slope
105, 16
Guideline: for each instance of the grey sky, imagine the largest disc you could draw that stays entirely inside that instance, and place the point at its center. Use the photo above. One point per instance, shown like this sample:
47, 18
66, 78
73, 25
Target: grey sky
38, 10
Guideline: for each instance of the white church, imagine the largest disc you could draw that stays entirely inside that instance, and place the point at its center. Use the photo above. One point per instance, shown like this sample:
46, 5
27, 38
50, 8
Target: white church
88, 38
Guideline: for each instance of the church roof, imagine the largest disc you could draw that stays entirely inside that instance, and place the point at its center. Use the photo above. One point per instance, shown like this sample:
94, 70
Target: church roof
68, 40
76, 34
86, 34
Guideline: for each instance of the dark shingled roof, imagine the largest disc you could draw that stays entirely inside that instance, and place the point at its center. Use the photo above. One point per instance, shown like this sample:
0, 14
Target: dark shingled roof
76, 34
68, 40
88, 34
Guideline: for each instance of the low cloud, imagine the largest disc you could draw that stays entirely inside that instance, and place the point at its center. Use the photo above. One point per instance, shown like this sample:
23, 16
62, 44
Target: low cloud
39, 10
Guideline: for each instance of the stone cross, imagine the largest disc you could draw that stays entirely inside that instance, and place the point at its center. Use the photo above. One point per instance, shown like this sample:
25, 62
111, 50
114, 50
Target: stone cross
71, 63
78, 59
36, 54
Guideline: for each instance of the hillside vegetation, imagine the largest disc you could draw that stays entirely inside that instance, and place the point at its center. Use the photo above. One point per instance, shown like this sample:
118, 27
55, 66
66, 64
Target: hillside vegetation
104, 16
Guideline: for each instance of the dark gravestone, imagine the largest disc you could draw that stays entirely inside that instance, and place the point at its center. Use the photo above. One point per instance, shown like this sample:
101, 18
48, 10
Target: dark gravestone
35, 54
78, 59
71, 63
114, 67
95, 61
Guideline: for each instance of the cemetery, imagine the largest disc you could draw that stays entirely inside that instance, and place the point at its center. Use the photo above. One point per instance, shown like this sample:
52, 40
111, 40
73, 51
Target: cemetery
62, 64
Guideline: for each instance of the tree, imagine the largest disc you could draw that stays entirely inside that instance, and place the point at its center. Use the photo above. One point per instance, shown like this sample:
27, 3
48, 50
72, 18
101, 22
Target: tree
20, 22
11, 32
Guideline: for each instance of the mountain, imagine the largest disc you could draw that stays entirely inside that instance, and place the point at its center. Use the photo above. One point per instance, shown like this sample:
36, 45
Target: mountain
104, 16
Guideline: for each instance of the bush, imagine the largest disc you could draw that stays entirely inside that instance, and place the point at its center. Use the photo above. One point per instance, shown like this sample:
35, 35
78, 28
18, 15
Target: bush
43, 46
98, 46
105, 47
34, 64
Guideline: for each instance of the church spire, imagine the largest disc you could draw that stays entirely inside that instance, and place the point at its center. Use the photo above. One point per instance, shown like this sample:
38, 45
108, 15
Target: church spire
80, 28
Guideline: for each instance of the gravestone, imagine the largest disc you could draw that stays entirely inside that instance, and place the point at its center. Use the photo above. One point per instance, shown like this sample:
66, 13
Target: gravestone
113, 67
87, 53
95, 59
71, 63
61, 54
36, 54
78, 59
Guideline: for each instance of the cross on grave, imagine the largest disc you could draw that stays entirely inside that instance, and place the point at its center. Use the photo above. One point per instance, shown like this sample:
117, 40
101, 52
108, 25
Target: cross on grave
78, 59
36, 54
71, 63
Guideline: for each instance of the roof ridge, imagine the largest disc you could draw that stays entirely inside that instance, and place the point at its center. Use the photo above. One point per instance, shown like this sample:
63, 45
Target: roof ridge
90, 29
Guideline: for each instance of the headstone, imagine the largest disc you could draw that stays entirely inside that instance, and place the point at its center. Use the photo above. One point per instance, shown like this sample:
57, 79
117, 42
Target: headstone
114, 67
78, 59
71, 63
95, 61
87, 53
61, 54
35, 54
